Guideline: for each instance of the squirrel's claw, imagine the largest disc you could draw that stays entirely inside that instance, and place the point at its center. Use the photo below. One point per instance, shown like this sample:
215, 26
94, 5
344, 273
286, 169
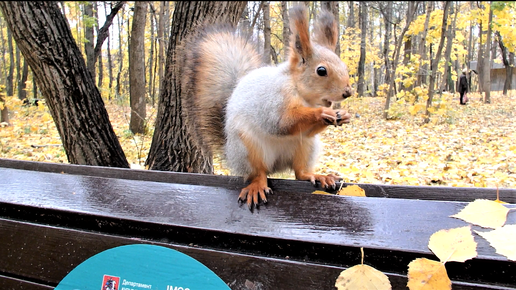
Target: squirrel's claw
253, 193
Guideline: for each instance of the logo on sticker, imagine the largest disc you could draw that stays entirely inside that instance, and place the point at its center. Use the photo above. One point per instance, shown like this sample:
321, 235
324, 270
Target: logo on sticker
110, 282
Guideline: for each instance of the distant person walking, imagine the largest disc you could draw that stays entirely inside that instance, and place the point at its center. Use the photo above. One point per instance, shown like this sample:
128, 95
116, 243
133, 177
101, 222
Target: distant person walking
463, 87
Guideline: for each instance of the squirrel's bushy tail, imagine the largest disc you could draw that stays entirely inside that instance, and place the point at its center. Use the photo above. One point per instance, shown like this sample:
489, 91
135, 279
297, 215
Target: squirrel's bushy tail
214, 61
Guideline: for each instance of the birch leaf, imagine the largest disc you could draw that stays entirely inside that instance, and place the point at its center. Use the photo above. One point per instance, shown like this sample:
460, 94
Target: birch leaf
352, 190
503, 240
362, 277
484, 213
425, 274
453, 245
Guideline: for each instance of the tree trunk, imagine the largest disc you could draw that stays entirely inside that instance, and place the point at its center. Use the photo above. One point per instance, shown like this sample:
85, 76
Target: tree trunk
435, 62
480, 61
88, 36
103, 32
411, 10
173, 147
361, 63
508, 68
487, 58
4, 112
9, 88
266, 33
286, 29
46, 42
387, 15
151, 53
351, 16
101, 66
118, 88
447, 83
22, 84
163, 13
109, 59
470, 50
137, 68
336, 14
423, 67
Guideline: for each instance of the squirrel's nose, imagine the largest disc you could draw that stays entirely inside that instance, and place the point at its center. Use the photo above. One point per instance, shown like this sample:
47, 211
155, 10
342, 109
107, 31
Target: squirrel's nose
347, 92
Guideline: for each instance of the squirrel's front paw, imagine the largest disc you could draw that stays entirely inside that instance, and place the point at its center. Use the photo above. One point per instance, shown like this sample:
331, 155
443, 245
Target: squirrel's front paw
326, 181
342, 117
253, 192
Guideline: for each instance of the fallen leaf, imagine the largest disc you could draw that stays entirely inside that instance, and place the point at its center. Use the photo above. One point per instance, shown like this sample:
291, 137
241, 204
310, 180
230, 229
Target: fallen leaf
453, 245
503, 240
484, 213
320, 192
352, 190
425, 274
362, 277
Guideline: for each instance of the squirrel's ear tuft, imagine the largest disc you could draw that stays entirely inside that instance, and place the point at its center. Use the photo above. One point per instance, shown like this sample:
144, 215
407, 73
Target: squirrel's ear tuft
300, 38
325, 30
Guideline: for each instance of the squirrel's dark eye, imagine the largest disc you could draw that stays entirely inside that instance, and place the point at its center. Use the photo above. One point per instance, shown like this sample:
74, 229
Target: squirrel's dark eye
321, 71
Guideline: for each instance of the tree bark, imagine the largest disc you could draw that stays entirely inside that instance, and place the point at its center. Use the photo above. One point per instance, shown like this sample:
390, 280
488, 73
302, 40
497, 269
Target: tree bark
88, 36
423, 68
46, 42
137, 68
173, 147
286, 28
22, 84
266, 33
4, 112
508, 68
103, 32
435, 62
10, 77
447, 83
361, 63
487, 58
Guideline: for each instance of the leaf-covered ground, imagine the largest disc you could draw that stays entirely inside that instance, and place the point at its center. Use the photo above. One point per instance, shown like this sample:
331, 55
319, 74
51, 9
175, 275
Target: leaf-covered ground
471, 146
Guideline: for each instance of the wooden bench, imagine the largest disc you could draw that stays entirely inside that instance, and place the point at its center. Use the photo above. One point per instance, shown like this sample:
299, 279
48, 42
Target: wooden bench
55, 216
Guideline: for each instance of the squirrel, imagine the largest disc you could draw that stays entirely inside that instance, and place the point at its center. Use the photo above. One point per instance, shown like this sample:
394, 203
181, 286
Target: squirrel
265, 119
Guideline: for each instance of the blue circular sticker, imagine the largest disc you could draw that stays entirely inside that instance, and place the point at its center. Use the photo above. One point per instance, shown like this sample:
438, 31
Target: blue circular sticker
141, 267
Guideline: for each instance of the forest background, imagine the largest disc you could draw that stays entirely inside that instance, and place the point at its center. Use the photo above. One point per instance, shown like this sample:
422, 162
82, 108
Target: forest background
402, 132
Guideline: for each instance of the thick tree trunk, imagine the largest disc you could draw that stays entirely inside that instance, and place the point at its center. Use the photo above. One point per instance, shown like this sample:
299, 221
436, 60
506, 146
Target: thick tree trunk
173, 147
137, 68
46, 42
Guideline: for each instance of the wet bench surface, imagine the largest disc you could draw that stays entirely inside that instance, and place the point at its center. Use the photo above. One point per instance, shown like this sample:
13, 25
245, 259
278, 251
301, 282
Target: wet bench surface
55, 216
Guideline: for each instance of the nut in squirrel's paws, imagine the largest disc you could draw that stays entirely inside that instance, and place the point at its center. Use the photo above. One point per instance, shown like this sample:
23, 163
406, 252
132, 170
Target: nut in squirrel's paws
342, 117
